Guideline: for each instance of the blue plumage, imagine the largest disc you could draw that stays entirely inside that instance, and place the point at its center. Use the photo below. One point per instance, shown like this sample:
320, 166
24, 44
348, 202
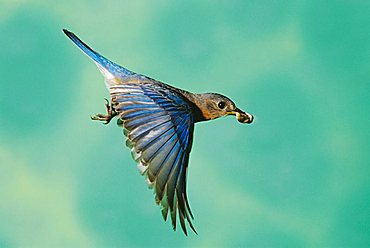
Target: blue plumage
158, 121
159, 136
112, 67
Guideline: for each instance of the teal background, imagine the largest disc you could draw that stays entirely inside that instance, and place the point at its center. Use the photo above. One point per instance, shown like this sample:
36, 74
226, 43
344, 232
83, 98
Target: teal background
297, 177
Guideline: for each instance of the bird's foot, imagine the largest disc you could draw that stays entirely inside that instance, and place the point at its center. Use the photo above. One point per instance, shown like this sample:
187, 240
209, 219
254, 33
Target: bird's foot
106, 117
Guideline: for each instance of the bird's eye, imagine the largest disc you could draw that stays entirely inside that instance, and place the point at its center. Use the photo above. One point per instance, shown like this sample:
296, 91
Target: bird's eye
221, 105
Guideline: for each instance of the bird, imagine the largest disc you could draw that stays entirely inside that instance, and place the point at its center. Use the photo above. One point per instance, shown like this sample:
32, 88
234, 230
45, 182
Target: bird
158, 122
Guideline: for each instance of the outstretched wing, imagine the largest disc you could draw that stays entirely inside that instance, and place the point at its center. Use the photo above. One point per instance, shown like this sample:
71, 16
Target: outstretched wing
159, 127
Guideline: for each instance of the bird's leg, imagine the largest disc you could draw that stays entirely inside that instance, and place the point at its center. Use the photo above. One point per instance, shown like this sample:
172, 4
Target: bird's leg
111, 112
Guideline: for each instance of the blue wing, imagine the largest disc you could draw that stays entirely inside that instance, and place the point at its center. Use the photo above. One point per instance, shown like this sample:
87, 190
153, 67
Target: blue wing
159, 127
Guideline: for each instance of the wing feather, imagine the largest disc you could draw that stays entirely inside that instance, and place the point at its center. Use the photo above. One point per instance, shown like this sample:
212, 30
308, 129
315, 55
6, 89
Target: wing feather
159, 127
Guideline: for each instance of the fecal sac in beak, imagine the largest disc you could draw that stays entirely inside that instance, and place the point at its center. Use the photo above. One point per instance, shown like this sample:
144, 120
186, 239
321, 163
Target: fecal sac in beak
243, 117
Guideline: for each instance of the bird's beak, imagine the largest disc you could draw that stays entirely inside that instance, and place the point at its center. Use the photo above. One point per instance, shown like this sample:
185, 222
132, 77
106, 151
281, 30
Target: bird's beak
242, 116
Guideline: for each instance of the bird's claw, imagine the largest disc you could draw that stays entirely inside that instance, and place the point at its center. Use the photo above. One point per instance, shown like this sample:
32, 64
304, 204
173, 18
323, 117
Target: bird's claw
105, 117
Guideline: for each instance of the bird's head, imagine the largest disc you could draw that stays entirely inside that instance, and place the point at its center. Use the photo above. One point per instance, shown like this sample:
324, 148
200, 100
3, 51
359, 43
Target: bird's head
213, 105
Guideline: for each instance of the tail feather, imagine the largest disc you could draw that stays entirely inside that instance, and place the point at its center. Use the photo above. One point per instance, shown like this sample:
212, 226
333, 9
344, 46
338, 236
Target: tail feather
107, 67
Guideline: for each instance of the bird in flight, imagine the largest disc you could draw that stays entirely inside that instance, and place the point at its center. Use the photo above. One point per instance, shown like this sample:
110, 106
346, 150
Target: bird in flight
158, 121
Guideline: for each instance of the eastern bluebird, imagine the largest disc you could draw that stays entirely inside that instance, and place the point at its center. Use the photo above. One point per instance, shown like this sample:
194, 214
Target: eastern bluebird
158, 121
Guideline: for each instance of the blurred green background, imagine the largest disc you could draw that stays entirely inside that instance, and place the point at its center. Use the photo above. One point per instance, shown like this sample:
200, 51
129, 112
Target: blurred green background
297, 177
